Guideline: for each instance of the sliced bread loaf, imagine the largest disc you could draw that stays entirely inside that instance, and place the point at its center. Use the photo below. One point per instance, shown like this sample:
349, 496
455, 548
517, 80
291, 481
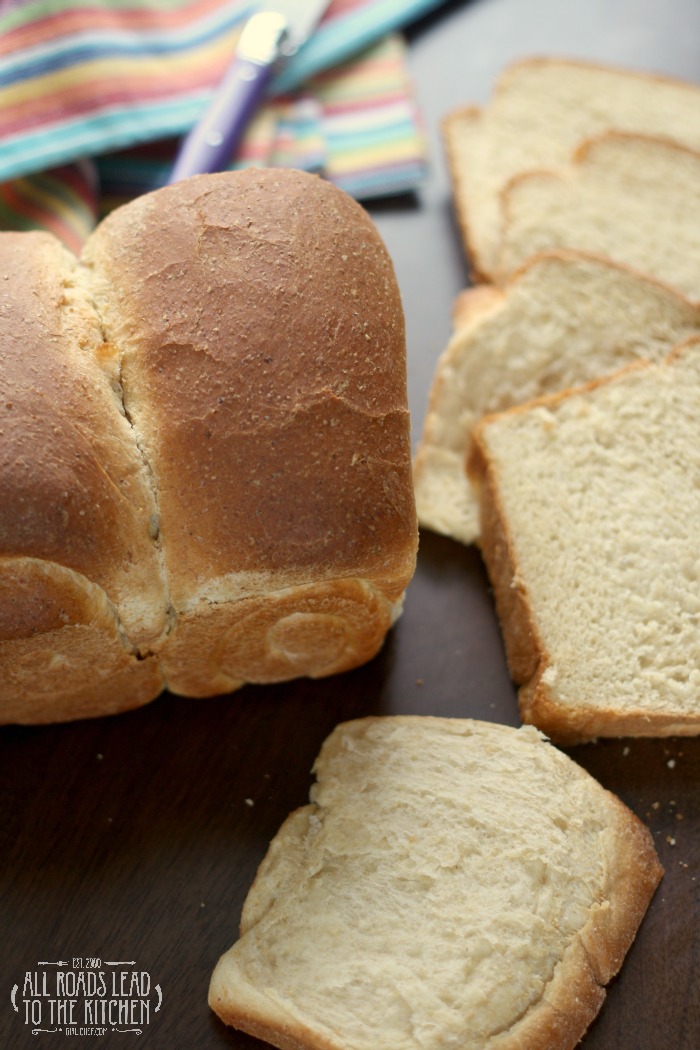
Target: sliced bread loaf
632, 198
590, 529
541, 110
452, 884
563, 320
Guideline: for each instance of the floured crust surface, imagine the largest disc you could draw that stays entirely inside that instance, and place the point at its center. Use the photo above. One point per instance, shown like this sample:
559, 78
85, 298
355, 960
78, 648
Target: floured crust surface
590, 546
452, 883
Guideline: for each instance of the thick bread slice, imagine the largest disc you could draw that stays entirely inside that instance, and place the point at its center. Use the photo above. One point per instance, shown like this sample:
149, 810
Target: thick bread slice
452, 884
562, 320
82, 595
261, 344
634, 199
590, 529
541, 110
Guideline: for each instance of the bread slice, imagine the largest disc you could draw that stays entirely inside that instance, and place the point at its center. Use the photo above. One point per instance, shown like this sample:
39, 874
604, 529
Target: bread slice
541, 110
590, 529
564, 319
453, 883
632, 198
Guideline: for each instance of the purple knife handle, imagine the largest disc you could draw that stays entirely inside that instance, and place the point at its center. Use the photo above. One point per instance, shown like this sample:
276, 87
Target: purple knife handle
212, 143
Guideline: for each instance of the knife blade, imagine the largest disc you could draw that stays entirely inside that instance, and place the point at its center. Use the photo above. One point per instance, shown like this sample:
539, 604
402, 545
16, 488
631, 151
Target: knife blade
271, 35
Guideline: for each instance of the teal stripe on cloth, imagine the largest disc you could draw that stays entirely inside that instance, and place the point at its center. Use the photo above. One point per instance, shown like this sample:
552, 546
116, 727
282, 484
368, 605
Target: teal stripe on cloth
112, 129
114, 43
108, 126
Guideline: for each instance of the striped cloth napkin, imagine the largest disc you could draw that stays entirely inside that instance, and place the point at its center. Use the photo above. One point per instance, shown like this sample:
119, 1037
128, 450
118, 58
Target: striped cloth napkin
94, 95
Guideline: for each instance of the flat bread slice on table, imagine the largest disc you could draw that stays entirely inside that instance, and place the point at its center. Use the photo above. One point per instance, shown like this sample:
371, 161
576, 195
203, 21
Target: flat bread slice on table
590, 530
564, 319
452, 884
541, 110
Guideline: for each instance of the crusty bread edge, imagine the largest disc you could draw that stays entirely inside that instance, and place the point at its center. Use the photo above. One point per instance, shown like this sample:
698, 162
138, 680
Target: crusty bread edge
574, 995
477, 270
472, 307
582, 63
502, 273
526, 654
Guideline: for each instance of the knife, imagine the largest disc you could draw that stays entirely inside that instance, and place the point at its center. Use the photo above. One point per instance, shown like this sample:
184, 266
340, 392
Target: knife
270, 36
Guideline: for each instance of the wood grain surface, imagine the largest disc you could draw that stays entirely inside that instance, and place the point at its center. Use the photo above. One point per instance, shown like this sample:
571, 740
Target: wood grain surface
136, 838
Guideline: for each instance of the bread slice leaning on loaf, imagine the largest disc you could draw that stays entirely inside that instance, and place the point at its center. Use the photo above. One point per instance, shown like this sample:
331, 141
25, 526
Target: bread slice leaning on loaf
634, 199
452, 884
210, 463
541, 110
590, 530
563, 319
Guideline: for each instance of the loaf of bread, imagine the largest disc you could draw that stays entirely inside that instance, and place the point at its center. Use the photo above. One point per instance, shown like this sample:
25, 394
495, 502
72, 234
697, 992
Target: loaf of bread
590, 530
206, 453
564, 319
541, 110
452, 883
634, 199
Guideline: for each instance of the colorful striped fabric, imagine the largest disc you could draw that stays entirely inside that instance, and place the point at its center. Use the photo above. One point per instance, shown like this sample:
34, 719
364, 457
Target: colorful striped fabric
94, 92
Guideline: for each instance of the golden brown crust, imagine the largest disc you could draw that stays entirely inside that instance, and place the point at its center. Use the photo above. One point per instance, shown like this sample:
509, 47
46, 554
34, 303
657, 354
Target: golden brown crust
524, 649
82, 599
266, 373
294, 1036
612, 927
62, 653
578, 725
213, 405
73, 483
315, 631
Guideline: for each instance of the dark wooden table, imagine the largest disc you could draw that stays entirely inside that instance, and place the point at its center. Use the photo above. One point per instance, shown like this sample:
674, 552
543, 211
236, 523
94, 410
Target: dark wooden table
134, 839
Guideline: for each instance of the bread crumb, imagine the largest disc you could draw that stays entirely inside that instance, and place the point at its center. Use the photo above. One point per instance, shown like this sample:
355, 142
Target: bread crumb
671, 763
670, 839
249, 802
625, 751
419, 681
